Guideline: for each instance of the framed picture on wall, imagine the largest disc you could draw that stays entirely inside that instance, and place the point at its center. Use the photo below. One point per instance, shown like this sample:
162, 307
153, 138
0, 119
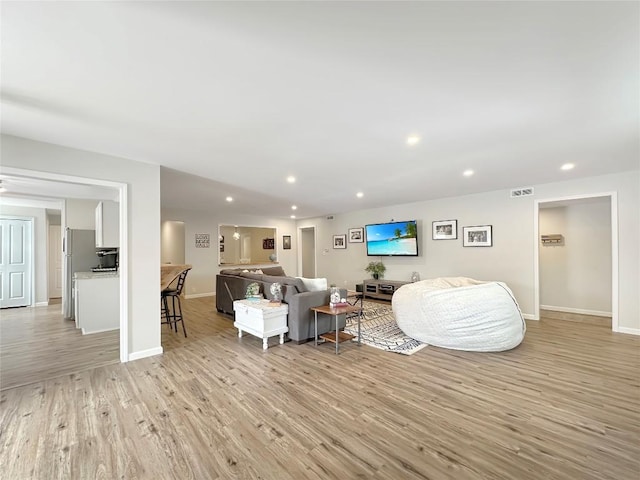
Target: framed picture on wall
286, 242
445, 230
340, 241
477, 236
356, 235
268, 244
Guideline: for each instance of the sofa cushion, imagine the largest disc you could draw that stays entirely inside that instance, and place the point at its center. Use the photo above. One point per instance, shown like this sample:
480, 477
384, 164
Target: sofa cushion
314, 284
277, 271
251, 275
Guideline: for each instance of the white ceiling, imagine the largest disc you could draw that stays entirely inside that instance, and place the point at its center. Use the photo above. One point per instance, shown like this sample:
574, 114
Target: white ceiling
248, 93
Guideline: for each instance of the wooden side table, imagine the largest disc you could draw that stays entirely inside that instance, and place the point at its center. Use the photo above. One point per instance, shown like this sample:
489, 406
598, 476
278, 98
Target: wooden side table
338, 336
262, 319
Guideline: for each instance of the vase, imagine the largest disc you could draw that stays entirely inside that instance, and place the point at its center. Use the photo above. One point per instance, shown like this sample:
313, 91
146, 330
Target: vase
334, 297
376, 276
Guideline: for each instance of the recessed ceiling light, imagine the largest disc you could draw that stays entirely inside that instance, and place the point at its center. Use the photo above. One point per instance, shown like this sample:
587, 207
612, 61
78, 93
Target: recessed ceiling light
229, 199
359, 194
567, 166
294, 207
293, 216
291, 179
468, 173
413, 140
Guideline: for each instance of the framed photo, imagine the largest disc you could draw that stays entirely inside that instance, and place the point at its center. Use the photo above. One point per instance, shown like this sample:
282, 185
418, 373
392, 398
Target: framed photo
356, 235
286, 242
445, 230
202, 240
339, 241
477, 236
268, 243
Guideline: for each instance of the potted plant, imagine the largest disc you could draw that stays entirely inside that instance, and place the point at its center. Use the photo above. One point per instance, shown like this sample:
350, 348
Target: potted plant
376, 269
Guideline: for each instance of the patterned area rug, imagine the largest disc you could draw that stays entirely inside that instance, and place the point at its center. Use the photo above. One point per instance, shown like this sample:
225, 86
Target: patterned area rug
379, 329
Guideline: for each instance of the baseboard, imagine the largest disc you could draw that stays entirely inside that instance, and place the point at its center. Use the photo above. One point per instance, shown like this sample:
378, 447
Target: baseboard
630, 331
529, 316
100, 331
579, 311
200, 295
42, 304
145, 353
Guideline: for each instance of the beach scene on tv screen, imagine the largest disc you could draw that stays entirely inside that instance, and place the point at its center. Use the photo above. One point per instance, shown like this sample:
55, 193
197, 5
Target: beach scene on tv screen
398, 238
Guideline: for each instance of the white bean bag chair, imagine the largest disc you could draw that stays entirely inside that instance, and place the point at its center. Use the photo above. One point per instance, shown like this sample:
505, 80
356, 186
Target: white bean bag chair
460, 313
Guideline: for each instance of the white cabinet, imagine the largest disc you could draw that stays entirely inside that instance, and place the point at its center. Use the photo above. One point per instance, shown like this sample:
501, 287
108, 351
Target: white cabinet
108, 225
97, 302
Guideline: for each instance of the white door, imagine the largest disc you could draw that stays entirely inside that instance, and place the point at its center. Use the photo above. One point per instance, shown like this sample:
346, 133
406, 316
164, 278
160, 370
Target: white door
15, 263
55, 261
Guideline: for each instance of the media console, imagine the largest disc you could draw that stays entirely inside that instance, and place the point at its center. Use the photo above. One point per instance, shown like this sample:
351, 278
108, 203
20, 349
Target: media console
381, 289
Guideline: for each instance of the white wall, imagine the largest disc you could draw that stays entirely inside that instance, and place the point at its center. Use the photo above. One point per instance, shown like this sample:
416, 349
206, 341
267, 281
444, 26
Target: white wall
511, 259
143, 222
172, 242
576, 275
202, 278
40, 236
80, 214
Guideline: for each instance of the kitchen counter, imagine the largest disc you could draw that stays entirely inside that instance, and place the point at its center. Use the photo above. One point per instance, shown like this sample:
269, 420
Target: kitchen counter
97, 301
88, 275
169, 272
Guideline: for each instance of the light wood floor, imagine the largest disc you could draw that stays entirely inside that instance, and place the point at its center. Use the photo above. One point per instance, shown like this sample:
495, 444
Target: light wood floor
38, 344
563, 405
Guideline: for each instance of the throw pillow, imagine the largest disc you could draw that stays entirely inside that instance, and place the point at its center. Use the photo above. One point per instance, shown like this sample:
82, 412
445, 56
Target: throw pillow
314, 284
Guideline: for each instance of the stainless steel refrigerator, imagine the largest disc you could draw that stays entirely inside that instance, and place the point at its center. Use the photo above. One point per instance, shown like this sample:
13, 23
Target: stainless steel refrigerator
79, 248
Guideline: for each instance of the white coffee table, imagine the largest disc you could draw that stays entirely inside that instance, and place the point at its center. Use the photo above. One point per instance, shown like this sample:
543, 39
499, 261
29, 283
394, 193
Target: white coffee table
262, 319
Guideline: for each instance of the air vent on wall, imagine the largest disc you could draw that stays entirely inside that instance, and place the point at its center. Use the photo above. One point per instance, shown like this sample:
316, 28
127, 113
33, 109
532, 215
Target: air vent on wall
522, 192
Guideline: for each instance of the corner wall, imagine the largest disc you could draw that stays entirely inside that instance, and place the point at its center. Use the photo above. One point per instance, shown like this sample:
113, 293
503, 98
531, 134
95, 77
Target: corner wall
511, 259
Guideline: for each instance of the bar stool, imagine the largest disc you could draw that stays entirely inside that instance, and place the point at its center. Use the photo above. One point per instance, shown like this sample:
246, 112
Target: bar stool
172, 316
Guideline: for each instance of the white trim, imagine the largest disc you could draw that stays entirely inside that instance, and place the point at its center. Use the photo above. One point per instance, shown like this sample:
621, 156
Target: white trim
200, 295
42, 304
579, 311
145, 353
123, 265
99, 331
614, 252
124, 238
629, 331
529, 316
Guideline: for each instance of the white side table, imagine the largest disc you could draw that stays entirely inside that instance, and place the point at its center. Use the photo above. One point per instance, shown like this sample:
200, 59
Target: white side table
262, 319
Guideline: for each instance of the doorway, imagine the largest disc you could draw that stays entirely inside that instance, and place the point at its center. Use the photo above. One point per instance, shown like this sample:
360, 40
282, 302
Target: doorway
122, 191
55, 262
307, 252
576, 264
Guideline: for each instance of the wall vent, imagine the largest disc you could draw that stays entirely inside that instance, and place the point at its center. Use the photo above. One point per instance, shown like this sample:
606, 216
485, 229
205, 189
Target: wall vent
521, 192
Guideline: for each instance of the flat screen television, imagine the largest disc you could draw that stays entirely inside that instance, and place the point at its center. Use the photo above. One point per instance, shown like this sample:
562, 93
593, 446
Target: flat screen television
397, 239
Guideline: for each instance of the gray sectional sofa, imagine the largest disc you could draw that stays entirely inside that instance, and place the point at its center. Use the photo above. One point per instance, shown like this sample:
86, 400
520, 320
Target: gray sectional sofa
232, 285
